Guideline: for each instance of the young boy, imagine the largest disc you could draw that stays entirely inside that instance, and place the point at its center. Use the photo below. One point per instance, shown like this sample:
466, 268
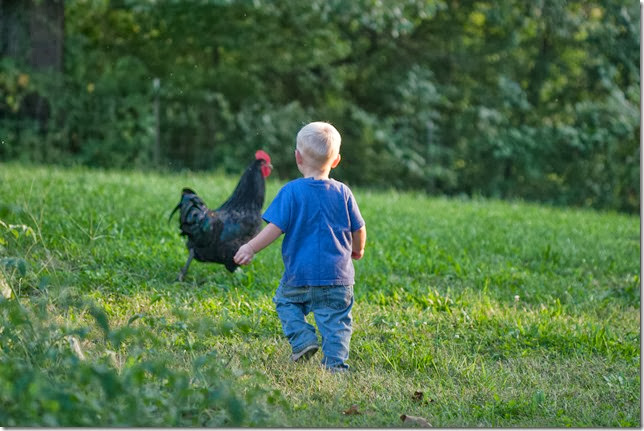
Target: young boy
323, 230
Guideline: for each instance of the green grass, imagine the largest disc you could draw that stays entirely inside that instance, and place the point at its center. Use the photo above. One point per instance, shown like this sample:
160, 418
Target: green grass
501, 314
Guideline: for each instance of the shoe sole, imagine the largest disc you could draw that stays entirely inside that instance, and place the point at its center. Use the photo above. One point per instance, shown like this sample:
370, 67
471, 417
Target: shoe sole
305, 354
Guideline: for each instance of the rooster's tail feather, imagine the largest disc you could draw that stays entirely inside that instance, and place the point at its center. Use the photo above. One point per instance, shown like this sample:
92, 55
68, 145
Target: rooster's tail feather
174, 211
193, 213
184, 191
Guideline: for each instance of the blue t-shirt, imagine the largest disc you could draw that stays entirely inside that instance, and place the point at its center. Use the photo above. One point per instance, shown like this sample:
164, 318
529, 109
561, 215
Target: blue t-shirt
317, 218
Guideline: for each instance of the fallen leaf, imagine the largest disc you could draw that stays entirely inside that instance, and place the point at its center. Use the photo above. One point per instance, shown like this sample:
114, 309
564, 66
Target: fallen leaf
415, 420
353, 410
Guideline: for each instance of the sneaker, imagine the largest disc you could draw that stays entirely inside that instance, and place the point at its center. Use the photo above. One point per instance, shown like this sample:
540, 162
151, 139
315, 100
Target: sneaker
338, 370
305, 354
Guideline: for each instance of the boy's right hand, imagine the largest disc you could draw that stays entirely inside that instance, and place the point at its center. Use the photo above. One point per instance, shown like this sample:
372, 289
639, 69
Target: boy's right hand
244, 255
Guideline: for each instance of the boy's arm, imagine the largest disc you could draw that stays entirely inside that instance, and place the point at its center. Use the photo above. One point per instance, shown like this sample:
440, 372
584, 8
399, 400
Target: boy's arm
359, 238
247, 251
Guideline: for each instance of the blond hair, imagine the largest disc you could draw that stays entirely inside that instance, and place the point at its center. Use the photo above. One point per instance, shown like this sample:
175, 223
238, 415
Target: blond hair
319, 141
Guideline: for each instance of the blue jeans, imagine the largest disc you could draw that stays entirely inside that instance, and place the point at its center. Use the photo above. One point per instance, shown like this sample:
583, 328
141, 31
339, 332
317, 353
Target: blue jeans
331, 307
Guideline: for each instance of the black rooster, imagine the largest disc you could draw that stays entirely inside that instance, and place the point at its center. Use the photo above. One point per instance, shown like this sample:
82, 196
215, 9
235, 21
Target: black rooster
215, 235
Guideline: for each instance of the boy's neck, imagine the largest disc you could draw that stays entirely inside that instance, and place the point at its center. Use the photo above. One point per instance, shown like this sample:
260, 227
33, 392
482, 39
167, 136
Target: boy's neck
316, 174
320, 176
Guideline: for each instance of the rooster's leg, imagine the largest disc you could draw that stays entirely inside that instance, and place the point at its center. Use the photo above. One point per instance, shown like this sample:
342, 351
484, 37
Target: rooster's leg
185, 267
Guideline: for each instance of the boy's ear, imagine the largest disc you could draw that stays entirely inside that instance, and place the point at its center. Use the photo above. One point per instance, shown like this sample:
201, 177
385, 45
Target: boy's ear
336, 161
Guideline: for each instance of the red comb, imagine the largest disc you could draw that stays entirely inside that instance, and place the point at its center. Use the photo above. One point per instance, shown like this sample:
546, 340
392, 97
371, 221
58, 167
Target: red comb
262, 155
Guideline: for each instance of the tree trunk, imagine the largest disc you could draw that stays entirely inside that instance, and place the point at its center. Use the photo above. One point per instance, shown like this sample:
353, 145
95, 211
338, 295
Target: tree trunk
32, 33
46, 29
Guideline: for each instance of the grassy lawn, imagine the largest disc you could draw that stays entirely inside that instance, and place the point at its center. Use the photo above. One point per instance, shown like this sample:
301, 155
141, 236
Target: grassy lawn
469, 313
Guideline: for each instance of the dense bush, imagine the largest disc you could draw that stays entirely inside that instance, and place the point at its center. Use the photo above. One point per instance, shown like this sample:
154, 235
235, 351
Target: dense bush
511, 99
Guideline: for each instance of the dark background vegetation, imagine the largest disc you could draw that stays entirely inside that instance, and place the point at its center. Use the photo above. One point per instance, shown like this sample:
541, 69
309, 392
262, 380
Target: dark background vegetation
534, 100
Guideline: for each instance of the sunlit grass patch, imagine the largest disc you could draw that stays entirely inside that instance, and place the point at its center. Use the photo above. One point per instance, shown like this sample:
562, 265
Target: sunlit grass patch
497, 314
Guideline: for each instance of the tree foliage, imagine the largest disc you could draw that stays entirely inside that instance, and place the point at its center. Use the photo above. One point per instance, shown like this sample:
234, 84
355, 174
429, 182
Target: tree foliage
534, 100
